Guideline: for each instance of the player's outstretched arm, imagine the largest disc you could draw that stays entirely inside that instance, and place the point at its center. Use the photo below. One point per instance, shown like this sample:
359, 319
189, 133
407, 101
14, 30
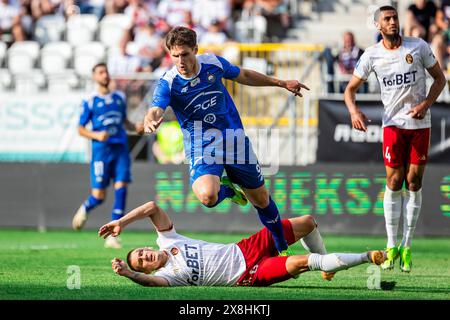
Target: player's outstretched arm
419, 111
254, 78
153, 119
357, 116
159, 218
120, 268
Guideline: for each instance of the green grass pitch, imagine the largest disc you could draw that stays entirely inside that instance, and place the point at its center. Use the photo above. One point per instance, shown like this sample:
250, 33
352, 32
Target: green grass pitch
35, 266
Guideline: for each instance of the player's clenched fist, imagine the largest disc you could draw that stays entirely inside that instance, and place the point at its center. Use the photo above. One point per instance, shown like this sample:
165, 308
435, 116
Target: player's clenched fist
102, 136
119, 267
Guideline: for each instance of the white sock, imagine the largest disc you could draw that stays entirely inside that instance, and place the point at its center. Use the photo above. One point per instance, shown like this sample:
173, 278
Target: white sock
313, 242
392, 205
411, 210
336, 261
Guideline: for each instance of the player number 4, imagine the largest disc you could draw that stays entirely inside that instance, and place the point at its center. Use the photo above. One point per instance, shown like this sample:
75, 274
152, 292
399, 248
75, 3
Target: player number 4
387, 155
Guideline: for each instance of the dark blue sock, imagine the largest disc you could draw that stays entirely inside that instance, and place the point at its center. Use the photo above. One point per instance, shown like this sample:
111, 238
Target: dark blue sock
224, 192
91, 203
271, 219
120, 197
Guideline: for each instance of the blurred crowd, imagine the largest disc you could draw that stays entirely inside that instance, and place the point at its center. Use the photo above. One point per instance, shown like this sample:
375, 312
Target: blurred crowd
211, 18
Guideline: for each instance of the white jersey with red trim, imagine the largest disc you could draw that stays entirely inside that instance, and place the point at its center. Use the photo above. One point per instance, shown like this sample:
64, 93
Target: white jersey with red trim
402, 78
199, 263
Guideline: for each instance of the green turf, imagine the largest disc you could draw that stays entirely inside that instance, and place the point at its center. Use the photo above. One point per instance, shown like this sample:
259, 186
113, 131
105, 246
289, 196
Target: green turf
34, 266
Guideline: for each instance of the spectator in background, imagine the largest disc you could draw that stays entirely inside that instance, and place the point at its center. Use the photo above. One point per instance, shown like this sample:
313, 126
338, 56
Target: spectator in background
346, 59
115, 6
420, 15
139, 12
441, 41
174, 11
96, 7
11, 28
213, 35
204, 12
145, 43
277, 16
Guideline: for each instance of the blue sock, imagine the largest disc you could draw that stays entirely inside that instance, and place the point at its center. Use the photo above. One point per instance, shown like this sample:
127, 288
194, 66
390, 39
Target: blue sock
271, 219
91, 203
120, 197
224, 192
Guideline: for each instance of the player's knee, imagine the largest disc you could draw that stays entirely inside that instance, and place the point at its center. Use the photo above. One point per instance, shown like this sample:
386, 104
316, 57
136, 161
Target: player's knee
310, 222
299, 262
208, 199
99, 194
394, 183
415, 185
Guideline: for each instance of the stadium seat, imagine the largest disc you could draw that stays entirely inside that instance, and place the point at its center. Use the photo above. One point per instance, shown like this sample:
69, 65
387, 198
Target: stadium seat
5, 79
55, 57
2, 53
22, 56
86, 56
31, 82
112, 28
251, 29
49, 28
62, 82
81, 29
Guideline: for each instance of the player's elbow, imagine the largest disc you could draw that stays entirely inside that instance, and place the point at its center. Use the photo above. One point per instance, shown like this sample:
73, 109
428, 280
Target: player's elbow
150, 207
350, 89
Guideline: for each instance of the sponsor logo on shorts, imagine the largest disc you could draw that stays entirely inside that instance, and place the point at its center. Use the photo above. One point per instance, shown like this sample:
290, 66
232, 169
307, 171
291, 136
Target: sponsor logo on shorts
423, 158
254, 269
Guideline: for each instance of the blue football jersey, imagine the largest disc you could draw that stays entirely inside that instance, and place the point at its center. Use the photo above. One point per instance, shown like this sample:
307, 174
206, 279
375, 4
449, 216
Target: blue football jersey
202, 99
107, 113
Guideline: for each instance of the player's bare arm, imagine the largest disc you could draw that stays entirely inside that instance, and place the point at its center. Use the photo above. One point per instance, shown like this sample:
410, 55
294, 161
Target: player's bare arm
358, 118
93, 135
121, 268
254, 78
136, 127
159, 218
419, 111
153, 119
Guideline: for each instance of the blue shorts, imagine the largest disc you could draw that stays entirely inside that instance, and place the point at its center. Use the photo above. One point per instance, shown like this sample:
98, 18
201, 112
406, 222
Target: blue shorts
110, 161
247, 175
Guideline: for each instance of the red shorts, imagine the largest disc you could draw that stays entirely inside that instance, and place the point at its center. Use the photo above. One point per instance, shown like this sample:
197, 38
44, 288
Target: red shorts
264, 266
405, 146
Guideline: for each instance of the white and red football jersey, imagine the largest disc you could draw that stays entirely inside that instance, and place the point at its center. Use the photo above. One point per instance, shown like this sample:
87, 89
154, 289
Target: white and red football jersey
401, 75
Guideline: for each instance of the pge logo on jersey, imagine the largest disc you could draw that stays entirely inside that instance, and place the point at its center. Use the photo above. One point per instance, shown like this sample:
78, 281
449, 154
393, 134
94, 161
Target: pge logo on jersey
400, 79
